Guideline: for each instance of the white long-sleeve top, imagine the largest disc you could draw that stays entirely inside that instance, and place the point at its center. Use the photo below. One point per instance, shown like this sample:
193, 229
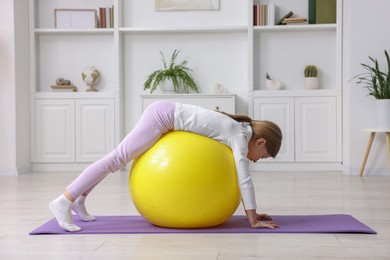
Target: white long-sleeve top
224, 129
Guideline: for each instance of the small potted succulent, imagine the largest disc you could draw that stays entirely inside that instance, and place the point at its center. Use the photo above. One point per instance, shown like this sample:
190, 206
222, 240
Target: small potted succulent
311, 79
172, 78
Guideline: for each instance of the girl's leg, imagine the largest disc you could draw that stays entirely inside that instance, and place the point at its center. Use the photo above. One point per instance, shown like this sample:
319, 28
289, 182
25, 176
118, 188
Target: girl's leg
157, 119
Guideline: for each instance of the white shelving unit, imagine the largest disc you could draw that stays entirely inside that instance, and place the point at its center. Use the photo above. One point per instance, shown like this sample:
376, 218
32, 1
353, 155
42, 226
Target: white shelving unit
310, 119
221, 46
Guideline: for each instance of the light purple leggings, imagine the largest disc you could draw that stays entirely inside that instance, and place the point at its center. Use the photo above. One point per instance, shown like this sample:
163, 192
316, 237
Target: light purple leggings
157, 119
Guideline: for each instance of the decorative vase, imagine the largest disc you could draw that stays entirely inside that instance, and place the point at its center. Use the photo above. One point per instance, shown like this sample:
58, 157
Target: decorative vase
273, 84
166, 86
310, 83
382, 109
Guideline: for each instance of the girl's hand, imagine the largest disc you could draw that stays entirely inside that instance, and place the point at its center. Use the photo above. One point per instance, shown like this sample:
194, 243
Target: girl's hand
263, 224
263, 217
255, 220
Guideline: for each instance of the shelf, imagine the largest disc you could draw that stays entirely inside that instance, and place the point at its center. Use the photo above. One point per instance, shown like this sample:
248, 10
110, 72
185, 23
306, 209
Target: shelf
200, 95
297, 93
305, 27
226, 29
74, 31
74, 95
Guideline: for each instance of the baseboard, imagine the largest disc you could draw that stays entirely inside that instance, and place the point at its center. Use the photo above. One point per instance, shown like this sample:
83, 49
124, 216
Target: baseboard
368, 171
13, 171
64, 167
312, 166
59, 167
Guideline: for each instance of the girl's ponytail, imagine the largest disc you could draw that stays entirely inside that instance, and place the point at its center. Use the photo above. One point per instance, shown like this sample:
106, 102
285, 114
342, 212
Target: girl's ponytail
238, 118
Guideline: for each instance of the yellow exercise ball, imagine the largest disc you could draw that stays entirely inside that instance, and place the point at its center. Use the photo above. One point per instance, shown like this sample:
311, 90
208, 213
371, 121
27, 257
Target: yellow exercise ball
185, 181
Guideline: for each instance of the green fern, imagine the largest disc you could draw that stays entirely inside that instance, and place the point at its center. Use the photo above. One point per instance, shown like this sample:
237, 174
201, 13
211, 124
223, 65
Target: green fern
179, 74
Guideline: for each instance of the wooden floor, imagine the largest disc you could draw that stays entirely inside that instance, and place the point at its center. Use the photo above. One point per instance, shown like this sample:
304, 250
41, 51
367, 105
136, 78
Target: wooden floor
24, 199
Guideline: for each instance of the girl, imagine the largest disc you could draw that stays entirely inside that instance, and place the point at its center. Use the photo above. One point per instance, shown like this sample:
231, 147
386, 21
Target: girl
250, 140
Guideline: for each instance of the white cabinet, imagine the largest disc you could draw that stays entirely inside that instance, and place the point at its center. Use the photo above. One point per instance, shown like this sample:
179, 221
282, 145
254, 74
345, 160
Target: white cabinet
309, 126
315, 129
222, 102
281, 112
94, 129
54, 130
73, 130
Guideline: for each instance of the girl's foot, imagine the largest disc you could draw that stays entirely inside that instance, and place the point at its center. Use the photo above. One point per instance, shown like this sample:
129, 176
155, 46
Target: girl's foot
61, 209
79, 208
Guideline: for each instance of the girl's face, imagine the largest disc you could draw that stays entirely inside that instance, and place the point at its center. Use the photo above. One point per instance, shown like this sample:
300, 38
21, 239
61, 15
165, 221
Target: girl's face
257, 150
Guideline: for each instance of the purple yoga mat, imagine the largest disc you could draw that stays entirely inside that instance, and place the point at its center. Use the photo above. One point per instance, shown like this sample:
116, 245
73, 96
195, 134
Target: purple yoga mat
337, 223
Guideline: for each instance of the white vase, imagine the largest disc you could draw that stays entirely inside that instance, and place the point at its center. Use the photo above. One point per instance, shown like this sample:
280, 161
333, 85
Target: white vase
382, 109
166, 86
310, 83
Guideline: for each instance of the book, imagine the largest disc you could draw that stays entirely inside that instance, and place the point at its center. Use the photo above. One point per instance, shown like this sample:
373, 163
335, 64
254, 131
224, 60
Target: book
271, 14
289, 14
64, 88
264, 14
295, 19
106, 17
297, 23
112, 16
322, 11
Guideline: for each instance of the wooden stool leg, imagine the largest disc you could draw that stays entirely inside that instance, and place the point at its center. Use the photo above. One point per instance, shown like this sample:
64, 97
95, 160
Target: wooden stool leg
367, 152
388, 148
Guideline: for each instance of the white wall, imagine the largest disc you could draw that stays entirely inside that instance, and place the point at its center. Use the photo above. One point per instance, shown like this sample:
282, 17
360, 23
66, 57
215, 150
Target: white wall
366, 33
14, 88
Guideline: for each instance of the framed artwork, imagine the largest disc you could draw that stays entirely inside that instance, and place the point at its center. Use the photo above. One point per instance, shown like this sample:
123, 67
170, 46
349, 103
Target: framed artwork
75, 18
182, 5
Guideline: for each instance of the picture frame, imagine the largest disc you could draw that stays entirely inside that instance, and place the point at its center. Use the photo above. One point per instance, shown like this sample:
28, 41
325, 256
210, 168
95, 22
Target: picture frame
75, 18
186, 5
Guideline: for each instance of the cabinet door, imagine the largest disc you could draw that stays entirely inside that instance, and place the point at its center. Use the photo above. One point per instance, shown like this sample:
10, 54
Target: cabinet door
94, 129
54, 130
316, 134
281, 112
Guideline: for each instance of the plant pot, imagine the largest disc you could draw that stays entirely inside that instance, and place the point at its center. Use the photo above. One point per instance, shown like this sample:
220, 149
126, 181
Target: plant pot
310, 83
382, 109
273, 84
166, 86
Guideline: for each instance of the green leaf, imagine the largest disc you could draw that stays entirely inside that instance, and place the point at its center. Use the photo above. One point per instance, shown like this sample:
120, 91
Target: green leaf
179, 74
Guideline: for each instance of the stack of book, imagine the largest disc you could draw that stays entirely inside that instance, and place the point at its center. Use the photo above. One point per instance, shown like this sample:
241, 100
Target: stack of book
106, 17
64, 88
264, 14
295, 20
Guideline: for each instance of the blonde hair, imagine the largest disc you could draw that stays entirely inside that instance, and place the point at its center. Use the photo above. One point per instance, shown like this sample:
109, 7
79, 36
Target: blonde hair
263, 129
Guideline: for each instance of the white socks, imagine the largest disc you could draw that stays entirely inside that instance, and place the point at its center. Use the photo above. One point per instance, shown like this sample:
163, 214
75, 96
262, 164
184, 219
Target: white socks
79, 208
61, 209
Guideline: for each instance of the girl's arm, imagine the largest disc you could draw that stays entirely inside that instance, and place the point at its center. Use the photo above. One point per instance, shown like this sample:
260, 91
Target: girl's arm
240, 151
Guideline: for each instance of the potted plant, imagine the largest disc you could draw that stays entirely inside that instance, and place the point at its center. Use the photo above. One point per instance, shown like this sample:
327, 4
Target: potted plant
176, 75
377, 81
311, 79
